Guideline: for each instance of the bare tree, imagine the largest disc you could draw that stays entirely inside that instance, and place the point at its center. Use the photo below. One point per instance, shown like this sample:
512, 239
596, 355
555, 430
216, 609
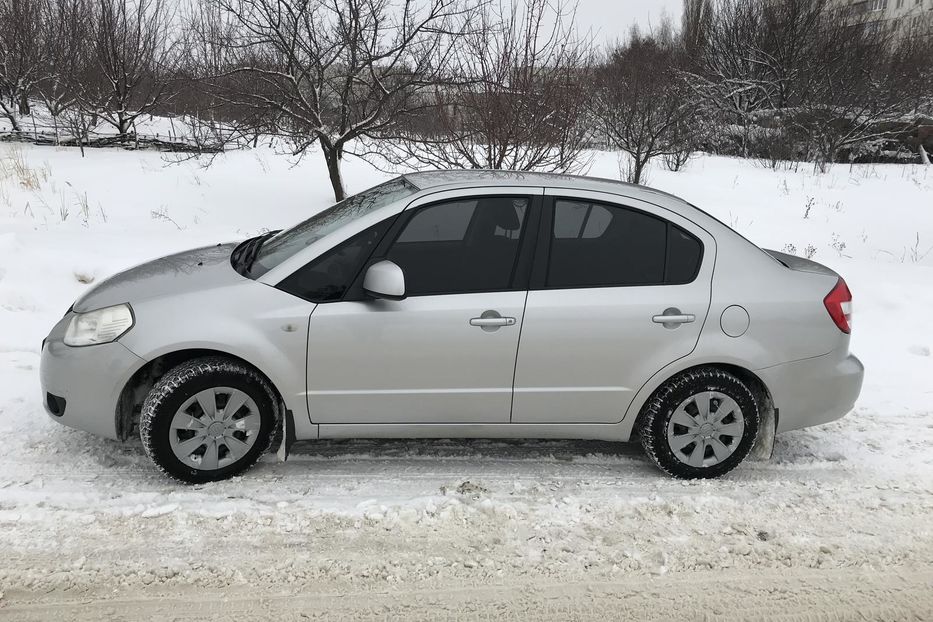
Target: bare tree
789, 46
514, 98
323, 72
748, 56
79, 125
811, 78
912, 68
641, 101
22, 55
853, 97
67, 61
135, 53
729, 73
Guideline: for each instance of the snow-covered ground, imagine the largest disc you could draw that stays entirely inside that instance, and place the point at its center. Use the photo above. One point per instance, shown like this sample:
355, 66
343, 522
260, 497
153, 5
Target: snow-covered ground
839, 524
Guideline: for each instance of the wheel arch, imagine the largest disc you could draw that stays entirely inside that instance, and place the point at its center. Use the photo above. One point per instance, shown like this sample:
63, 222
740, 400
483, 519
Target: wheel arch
134, 391
754, 382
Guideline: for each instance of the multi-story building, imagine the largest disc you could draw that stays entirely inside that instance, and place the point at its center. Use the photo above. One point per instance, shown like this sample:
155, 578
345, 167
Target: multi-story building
905, 16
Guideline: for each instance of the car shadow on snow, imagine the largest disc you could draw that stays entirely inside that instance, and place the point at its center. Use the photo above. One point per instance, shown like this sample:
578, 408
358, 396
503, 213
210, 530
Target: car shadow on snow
82, 452
450, 449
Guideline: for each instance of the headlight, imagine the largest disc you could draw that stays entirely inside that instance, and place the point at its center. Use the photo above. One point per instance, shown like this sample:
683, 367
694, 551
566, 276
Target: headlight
101, 326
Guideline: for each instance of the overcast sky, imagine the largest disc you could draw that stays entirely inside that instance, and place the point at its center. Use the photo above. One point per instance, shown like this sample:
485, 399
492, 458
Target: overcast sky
611, 19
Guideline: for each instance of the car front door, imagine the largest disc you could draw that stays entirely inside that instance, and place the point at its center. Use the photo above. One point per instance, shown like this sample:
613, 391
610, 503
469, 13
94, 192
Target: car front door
446, 352
619, 290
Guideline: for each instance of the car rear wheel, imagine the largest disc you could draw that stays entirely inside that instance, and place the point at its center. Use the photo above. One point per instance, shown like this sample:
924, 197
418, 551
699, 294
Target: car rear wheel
207, 420
700, 424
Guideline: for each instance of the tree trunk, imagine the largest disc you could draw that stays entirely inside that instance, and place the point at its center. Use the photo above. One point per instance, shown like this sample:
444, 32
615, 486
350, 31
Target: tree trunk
924, 158
10, 114
637, 164
123, 128
639, 170
333, 155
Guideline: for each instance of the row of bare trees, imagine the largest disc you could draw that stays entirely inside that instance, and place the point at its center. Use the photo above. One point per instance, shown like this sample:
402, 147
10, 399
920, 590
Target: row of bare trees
467, 83
777, 80
89, 62
805, 79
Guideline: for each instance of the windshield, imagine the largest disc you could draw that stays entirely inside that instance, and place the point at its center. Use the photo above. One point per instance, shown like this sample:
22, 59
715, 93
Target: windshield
283, 245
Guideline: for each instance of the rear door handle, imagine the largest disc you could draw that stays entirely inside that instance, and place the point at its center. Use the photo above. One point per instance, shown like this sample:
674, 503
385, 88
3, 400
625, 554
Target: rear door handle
672, 318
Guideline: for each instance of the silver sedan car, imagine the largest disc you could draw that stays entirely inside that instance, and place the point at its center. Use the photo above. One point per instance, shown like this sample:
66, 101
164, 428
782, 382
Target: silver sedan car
462, 304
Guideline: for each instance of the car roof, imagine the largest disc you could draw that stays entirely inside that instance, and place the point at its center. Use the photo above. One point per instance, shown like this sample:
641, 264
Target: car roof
429, 180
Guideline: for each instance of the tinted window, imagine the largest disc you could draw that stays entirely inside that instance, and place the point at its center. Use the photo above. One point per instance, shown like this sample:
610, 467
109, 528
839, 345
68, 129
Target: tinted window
581, 220
684, 253
328, 277
595, 245
461, 246
442, 223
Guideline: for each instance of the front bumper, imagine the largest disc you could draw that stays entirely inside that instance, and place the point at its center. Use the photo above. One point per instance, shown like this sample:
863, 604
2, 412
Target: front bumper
81, 386
815, 390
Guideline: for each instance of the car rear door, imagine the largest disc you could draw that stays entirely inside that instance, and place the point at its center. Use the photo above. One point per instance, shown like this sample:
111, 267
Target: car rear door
620, 288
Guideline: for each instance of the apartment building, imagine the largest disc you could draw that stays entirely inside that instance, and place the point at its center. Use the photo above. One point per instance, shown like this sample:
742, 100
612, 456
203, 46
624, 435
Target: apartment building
906, 16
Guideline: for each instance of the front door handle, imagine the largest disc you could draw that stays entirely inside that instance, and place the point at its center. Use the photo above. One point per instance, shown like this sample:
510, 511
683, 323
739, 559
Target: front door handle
491, 320
672, 318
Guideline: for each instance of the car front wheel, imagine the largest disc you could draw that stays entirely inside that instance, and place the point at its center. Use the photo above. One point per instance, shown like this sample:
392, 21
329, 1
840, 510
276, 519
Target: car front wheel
207, 420
700, 424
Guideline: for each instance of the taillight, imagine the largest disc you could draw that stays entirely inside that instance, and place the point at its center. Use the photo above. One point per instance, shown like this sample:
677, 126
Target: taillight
839, 304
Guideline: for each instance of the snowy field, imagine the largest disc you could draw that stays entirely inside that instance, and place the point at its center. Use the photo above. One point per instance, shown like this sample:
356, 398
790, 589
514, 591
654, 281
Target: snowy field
839, 525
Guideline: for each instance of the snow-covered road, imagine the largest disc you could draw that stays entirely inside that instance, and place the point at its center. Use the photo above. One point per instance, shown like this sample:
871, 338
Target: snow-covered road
838, 526
407, 527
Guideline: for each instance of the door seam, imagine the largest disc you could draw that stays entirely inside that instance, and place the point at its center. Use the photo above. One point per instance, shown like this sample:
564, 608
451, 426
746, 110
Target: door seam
518, 348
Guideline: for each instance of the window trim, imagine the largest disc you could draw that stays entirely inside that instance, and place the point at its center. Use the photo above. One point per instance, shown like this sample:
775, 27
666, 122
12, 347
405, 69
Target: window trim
545, 240
521, 266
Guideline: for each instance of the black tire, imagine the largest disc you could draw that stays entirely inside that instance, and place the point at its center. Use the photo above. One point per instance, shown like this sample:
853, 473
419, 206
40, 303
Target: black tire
660, 408
181, 383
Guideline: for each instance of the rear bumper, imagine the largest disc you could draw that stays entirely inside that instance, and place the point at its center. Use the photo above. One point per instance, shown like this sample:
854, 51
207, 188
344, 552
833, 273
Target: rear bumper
814, 391
81, 386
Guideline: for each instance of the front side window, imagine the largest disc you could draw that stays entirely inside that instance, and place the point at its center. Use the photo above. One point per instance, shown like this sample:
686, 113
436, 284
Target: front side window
462, 246
285, 244
598, 245
327, 278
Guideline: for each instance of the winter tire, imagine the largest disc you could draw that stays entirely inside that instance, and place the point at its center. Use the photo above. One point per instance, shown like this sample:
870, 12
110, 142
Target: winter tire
207, 420
700, 424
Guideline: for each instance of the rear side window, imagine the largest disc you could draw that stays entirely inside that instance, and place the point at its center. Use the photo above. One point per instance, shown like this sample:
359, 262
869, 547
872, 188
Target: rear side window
684, 253
598, 245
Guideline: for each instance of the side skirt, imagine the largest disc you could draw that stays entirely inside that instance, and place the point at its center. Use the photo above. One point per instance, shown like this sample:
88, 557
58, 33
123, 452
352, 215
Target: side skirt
603, 432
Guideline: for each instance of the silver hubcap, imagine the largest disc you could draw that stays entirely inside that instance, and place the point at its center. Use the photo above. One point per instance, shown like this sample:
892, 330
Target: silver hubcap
214, 428
705, 429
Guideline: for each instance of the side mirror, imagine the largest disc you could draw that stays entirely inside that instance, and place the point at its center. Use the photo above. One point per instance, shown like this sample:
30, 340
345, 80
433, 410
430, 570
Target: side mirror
384, 280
